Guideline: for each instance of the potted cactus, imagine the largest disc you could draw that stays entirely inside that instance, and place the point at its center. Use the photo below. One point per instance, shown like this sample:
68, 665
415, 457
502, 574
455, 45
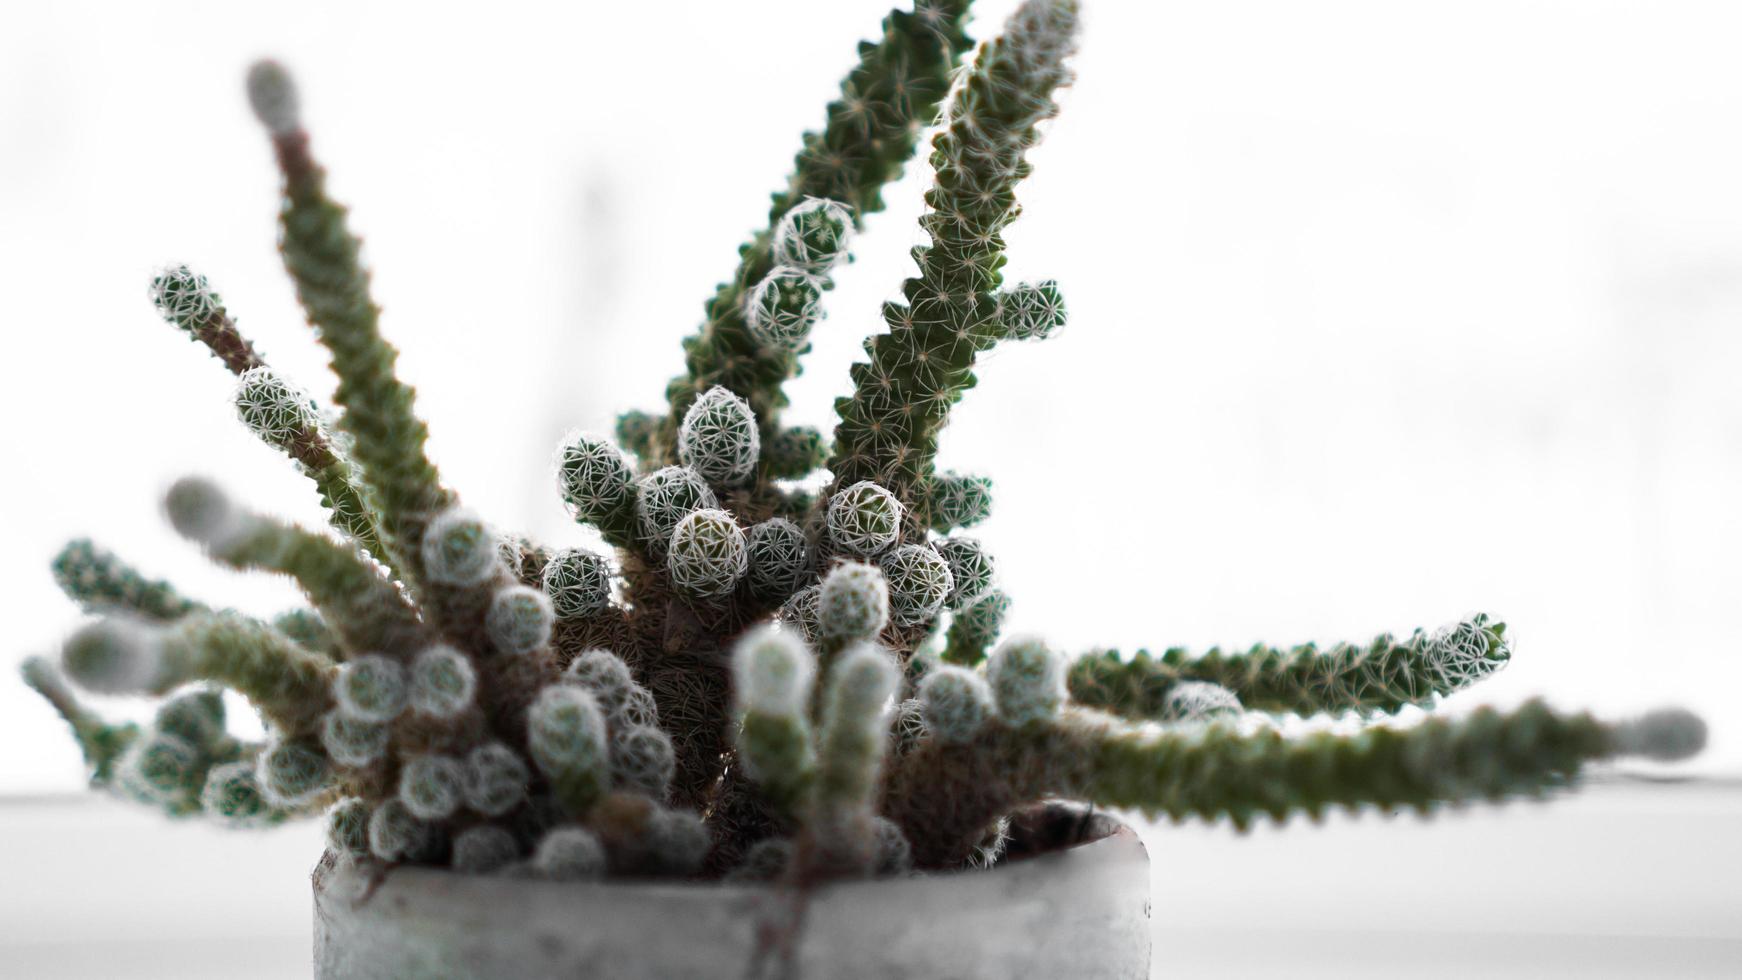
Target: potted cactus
778, 720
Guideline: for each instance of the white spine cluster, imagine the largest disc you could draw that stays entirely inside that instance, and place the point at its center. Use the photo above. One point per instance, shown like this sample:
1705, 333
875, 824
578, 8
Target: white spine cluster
291, 772
812, 235
864, 519
708, 554
274, 409
1027, 679
719, 438
569, 854
643, 760
919, 582
593, 476
1198, 701
783, 308
578, 583
232, 794
459, 549
159, 768
665, 497
853, 603
1031, 311
442, 682
396, 834
959, 501
971, 571
774, 673
183, 296
801, 612
1464, 653
957, 703
351, 741
371, 688
495, 779
780, 558
432, 787
484, 849
348, 828
519, 620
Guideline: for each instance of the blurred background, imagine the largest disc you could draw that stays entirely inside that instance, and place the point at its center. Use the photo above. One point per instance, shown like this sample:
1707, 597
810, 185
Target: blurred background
1382, 314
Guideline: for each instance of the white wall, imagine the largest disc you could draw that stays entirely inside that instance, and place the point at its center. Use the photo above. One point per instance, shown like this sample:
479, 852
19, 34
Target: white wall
1382, 313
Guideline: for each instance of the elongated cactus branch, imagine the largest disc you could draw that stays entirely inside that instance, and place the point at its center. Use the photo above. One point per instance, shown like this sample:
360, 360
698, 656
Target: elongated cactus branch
324, 260
1218, 771
916, 372
101, 742
1383, 676
364, 610
871, 131
99, 581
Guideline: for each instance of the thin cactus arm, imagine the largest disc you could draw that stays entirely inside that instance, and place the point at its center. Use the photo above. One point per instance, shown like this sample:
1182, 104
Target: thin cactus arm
1383, 676
324, 260
99, 581
887, 99
282, 415
903, 393
946, 795
359, 605
101, 742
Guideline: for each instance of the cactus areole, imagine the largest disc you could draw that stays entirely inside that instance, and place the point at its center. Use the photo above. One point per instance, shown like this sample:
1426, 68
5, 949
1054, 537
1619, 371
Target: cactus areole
787, 671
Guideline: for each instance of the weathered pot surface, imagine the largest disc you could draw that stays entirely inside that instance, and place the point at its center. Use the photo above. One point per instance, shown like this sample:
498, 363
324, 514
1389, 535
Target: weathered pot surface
1080, 912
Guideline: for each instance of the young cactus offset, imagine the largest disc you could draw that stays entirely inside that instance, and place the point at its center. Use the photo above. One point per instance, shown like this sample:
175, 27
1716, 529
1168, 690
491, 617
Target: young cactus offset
775, 672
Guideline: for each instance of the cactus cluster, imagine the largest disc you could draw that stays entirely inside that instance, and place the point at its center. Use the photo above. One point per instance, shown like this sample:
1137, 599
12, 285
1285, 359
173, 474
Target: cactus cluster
791, 664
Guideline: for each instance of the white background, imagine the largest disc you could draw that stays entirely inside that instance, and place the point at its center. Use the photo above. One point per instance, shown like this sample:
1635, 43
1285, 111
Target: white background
1381, 313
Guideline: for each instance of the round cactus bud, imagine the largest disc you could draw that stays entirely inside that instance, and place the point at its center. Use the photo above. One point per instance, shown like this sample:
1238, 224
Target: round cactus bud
184, 297
782, 309
594, 478
665, 497
200, 511
919, 582
483, 849
980, 620
1031, 311
442, 682
569, 854
638, 708
1464, 653
894, 853
636, 431
292, 772
1666, 735
371, 688
624, 702
459, 549
765, 860
272, 408
432, 786
957, 703
909, 728
161, 768
578, 583
970, 569
196, 717
959, 501
719, 438
780, 559
519, 620
348, 828
678, 841
272, 96
496, 779
854, 603
232, 794
351, 741
307, 628
566, 737
794, 453
396, 834
864, 519
812, 235
801, 612
1198, 701
773, 673
643, 760
114, 656
1027, 679
708, 555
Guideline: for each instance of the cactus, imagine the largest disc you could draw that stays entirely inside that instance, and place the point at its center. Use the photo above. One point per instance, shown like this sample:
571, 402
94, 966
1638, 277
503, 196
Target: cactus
455, 697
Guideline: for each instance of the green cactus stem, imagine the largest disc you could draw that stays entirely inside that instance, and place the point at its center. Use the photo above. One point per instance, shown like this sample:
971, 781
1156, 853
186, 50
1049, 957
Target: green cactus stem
101, 582
1385, 676
101, 742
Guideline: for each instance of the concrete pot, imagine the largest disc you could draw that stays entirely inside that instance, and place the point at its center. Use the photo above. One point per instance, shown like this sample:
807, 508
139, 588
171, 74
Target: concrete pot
1080, 911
